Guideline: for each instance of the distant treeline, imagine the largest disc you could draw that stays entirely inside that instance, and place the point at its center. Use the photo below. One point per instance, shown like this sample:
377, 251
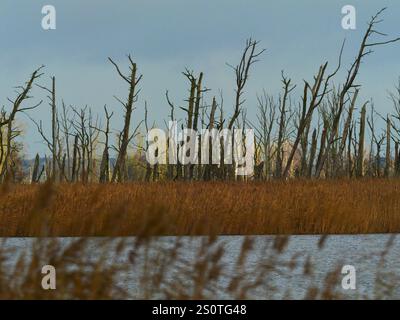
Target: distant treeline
328, 133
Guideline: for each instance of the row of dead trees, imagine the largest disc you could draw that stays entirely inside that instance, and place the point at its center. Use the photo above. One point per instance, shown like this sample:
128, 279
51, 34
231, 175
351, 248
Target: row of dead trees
329, 133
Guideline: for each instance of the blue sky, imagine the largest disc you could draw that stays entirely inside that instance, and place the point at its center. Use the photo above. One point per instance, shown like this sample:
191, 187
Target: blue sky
165, 36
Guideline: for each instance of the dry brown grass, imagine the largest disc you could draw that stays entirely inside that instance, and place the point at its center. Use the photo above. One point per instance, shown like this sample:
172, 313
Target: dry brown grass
182, 208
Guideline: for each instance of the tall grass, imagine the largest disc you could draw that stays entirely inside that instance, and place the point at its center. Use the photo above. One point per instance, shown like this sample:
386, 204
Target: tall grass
200, 208
78, 276
180, 268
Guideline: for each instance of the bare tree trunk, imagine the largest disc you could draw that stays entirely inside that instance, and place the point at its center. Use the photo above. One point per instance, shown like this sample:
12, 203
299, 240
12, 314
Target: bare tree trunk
75, 160
54, 128
16, 107
313, 152
208, 172
360, 158
35, 170
119, 173
282, 126
397, 158
388, 138
171, 167
105, 159
148, 166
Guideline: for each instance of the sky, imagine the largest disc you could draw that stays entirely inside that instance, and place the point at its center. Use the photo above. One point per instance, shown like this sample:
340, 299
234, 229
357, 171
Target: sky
165, 36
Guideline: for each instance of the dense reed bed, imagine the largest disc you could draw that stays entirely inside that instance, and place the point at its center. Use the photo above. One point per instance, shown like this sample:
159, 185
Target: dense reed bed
179, 208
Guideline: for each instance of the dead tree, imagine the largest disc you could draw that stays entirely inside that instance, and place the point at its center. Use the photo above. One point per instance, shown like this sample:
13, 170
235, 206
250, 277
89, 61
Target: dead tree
191, 100
36, 171
66, 125
376, 141
364, 50
323, 141
170, 167
3, 124
304, 145
75, 160
193, 109
148, 166
396, 158
349, 153
209, 169
54, 143
8, 121
318, 91
249, 57
54, 126
81, 127
266, 118
105, 159
93, 135
388, 138
313, 152
242, 71
360, 158
119, 173
283, 122
47, 168
348, 121
395, 98
221, 170
199, 94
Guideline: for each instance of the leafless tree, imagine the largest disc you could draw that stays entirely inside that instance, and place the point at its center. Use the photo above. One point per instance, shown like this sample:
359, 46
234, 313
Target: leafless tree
52, 144
317, 93
249, 57
8, 120
285, 116
364, 50
105, 159
133, 80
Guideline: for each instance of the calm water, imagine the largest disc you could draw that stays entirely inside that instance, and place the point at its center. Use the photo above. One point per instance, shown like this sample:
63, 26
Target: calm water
288, 280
